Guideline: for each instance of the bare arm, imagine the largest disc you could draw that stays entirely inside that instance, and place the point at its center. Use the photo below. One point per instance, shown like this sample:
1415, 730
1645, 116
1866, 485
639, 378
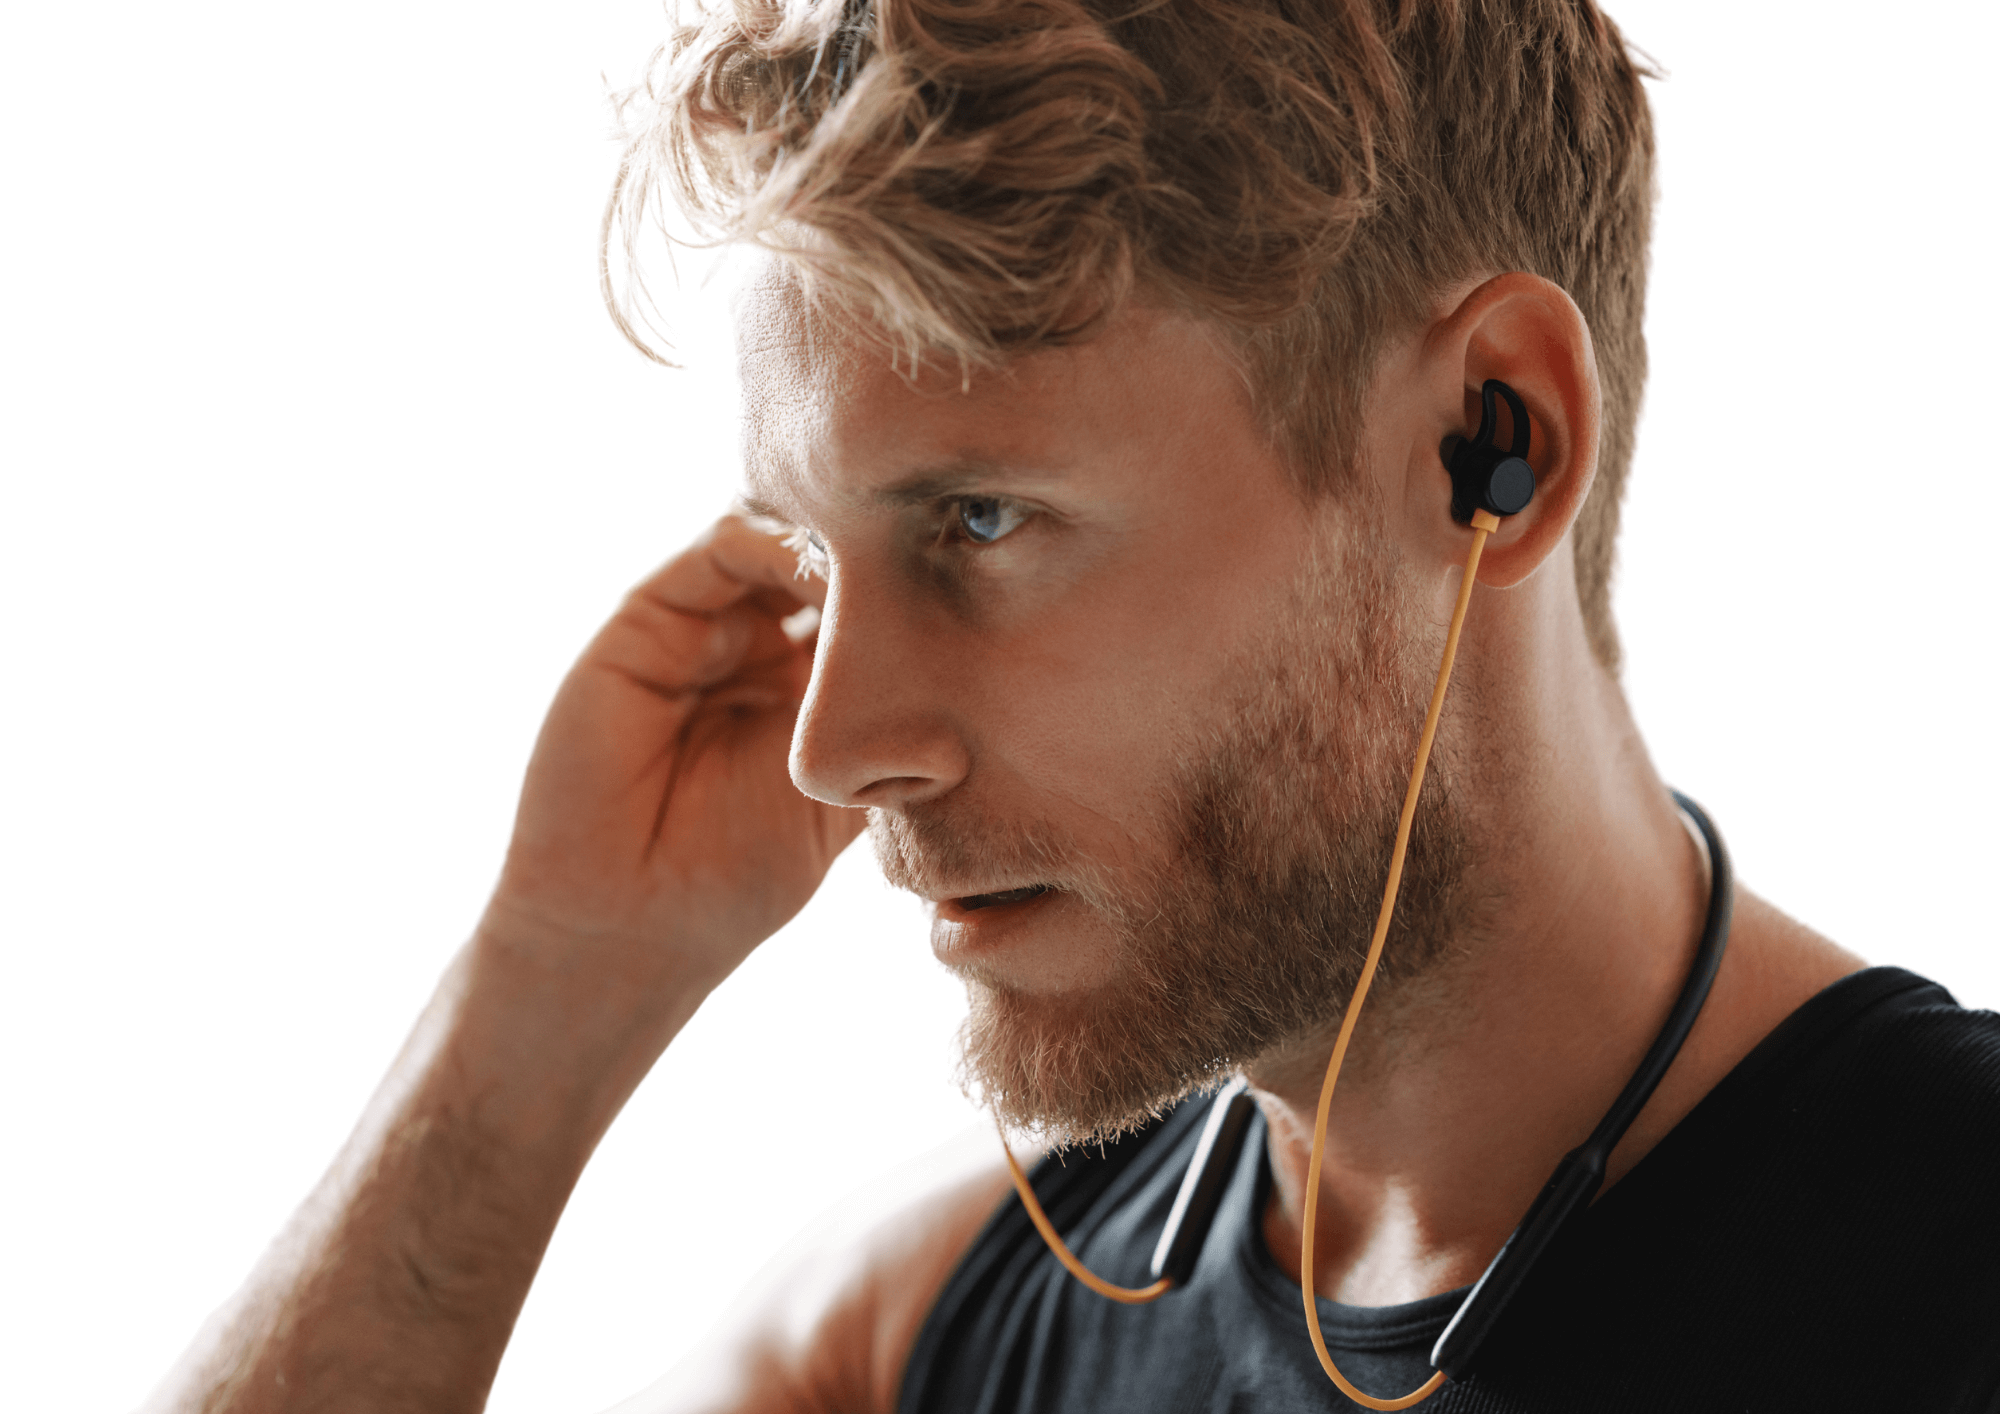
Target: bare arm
659, 840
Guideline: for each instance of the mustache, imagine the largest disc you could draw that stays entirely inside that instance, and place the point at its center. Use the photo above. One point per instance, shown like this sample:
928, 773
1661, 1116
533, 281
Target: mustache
941, 851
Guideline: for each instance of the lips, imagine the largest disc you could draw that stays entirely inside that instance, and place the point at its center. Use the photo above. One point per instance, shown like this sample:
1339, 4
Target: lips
972, 903
1025, 934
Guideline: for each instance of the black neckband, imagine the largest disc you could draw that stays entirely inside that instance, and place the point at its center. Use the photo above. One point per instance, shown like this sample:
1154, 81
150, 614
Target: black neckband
1569, 1189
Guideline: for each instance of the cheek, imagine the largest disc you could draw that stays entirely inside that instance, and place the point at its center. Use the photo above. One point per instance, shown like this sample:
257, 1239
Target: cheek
1097, 707
1077, 710
1152, 653
1088, 695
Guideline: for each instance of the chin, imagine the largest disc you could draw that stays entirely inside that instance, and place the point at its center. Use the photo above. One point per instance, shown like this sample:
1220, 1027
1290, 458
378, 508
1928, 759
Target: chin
1068, 1069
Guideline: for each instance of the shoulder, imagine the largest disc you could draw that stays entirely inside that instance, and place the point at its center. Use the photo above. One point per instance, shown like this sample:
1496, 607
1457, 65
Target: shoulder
830, 1324
1928, 1024
1916, 1056
1822, 1033
1880, 1096
1898, 1041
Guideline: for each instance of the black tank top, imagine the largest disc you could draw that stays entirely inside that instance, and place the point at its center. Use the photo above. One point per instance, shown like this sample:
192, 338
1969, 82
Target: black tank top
1822, 1232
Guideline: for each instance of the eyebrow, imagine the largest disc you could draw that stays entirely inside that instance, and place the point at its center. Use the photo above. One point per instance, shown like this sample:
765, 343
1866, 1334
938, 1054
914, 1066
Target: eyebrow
936, 483
757, 508
928, 484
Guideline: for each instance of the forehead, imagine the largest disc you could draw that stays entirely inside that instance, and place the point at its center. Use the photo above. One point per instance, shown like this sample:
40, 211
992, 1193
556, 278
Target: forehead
829, 423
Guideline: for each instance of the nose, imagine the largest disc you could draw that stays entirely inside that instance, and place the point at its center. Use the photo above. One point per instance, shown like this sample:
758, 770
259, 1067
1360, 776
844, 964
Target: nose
873, 728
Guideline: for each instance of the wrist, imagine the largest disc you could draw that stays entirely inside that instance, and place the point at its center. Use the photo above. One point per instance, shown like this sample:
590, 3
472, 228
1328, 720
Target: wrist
548, 1035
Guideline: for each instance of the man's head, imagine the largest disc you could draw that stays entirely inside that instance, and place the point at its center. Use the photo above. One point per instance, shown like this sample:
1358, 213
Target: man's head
1136, 568
1130, 708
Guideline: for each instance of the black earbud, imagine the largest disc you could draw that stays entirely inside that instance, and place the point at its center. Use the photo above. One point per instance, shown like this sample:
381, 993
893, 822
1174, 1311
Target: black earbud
1484, 478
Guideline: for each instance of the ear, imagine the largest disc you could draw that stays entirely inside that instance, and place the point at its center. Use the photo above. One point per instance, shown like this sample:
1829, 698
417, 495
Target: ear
1529, 334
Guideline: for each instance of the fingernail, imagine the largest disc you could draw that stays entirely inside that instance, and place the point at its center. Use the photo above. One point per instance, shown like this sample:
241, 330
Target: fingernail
801, 625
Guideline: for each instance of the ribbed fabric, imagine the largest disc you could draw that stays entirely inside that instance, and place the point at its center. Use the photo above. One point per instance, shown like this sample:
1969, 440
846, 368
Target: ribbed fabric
1822, 1232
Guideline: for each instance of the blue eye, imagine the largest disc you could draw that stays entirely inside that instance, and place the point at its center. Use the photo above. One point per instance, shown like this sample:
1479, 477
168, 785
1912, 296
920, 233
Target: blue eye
986, 518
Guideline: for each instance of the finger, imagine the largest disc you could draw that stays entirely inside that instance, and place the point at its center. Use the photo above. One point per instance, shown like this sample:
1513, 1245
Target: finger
802, 628
672, 651
733, 560
722, 604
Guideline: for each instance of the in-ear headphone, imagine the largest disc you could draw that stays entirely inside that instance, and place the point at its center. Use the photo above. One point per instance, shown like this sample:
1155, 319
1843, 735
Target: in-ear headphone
1484, 478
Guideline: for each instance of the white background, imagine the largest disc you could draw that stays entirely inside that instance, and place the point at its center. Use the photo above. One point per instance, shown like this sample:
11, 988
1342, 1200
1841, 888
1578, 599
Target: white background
321, 461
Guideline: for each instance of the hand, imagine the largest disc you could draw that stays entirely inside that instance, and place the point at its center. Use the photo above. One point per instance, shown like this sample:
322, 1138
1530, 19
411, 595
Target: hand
659, 835
659, 840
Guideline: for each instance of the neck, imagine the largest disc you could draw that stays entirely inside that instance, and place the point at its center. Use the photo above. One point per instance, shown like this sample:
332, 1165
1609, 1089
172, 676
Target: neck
1465, 1085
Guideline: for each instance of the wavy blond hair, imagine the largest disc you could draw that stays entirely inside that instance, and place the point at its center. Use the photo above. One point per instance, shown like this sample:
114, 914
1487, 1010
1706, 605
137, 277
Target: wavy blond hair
974, 179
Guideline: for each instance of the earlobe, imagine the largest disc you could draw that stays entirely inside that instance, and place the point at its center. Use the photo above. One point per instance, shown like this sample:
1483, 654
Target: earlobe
1526, 334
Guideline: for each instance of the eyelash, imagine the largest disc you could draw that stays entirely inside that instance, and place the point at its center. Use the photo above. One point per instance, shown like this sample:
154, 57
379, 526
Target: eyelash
811, 551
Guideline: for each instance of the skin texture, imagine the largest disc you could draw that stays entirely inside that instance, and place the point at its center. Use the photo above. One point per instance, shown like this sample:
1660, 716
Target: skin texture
704, 763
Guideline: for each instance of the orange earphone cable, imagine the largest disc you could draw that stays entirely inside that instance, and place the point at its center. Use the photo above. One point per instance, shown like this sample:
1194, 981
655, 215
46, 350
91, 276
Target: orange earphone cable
1130, 1295
1484, 523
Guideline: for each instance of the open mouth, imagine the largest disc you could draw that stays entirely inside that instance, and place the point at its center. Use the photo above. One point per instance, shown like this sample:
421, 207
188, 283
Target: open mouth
972, 903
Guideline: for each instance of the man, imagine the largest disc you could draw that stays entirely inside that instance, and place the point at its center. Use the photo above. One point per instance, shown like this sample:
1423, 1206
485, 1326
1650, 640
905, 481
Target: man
1098, 375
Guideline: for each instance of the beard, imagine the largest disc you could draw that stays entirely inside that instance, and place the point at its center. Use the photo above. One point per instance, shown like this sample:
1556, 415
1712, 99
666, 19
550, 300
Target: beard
1245, 930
